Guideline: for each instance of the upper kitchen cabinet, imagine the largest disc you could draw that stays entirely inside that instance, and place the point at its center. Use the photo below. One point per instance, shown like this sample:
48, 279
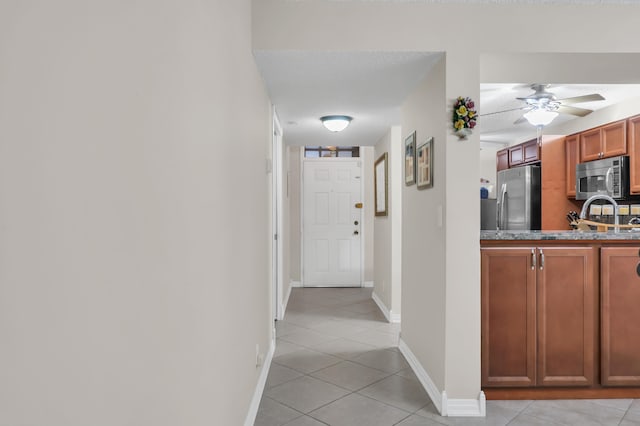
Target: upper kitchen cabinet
531, 151
634, 153
502, 159
518, 155
605, 141
572, 158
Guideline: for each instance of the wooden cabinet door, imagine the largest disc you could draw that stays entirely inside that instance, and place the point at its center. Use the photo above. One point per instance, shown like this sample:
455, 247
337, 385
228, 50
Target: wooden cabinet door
531, 151
502, 159
572, 158
620, 334
566, 308
590, 146
634, 154
516, 156
614, 139
508, 286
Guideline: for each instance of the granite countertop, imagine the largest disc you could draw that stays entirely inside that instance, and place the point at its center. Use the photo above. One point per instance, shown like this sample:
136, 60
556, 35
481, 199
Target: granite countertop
559, 235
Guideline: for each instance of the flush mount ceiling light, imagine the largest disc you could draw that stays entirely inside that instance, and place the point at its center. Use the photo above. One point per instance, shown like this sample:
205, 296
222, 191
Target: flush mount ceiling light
540, 116
336, 123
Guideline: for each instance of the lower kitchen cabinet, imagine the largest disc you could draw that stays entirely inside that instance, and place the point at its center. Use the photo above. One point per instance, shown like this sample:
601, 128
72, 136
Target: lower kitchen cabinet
539, 308
508, 287
620, 322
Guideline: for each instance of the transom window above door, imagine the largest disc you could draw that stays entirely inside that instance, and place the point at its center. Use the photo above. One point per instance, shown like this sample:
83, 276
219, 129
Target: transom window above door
331, 151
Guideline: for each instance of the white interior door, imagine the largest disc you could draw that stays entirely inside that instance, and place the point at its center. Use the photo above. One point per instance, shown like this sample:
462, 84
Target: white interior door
332, 223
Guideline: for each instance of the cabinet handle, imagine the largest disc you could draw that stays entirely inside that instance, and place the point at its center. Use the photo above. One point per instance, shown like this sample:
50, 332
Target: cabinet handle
533, 259
541, 260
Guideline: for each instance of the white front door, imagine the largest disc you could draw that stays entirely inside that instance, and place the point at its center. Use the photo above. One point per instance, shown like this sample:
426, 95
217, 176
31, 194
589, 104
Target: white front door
332, 223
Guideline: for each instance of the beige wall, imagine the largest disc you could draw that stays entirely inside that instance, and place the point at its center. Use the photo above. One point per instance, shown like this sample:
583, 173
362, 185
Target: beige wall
423, 237
134, 200
294, 212
367, 157
387, 239
383, 233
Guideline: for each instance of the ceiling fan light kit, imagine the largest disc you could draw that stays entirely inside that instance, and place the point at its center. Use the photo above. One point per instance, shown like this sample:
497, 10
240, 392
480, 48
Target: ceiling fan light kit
540, 116
336, 123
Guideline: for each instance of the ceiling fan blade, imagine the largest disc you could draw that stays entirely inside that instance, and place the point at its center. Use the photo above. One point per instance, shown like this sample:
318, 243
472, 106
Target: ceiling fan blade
580, 112
520, 120
579, 99
505, 110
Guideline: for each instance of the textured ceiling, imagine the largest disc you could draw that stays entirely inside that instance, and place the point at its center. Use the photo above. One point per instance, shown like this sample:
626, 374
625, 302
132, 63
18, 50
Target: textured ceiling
500, 127
369, 86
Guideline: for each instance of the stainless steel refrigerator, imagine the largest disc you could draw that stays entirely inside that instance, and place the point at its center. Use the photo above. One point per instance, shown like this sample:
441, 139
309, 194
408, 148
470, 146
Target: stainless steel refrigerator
519, 199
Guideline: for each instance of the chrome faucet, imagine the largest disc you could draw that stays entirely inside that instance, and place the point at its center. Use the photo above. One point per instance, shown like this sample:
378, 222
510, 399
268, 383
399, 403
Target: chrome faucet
616, 218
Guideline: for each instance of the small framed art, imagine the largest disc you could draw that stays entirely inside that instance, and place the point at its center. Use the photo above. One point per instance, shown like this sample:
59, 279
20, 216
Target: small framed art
424, 164
410, 159
381, 185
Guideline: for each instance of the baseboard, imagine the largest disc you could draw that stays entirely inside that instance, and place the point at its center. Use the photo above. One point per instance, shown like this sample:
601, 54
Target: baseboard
296, 284
389, 315
437, 398
367, 284
381, 306
444, 405
262, 381
283, 309
467, 407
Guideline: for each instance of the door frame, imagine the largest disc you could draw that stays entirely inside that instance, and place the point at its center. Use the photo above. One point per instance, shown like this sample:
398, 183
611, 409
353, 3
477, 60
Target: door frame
276, 216
363, 176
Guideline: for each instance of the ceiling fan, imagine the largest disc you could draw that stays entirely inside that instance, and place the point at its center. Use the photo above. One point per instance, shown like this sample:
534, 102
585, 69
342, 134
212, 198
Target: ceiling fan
543, 106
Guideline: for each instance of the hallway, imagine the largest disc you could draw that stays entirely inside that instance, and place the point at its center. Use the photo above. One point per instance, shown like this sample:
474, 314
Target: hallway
337, 363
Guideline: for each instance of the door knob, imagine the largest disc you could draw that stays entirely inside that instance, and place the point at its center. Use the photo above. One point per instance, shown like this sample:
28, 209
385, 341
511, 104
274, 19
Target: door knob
355, 233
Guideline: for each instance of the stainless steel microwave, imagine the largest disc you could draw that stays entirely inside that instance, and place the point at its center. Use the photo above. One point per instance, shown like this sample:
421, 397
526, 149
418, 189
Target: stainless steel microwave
609, 176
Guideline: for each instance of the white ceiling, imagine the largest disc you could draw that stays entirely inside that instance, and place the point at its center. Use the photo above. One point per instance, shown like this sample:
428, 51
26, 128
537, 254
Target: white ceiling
368, 86
500, 128
371, 86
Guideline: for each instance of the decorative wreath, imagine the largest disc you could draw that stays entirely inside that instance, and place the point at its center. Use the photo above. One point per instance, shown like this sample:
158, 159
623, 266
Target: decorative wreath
464, 116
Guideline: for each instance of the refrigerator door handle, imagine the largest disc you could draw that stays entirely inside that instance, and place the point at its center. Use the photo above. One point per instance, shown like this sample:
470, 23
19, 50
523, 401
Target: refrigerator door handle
502, 199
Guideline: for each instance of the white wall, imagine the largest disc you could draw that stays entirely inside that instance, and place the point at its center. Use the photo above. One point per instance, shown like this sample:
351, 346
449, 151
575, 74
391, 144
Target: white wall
487, 165
133, 139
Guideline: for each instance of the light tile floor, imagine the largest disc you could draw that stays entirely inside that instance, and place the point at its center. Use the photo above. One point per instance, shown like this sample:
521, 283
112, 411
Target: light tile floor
336, 363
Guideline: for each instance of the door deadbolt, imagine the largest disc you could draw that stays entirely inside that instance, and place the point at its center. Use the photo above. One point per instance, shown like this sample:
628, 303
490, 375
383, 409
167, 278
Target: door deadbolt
356, 222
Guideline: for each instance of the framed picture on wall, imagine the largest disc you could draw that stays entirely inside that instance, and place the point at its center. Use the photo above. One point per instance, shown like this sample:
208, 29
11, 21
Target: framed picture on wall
381, 185
424, 164
410, 159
